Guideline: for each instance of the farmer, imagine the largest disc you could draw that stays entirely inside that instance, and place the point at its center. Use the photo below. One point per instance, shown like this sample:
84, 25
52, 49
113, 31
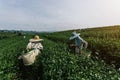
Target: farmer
24, 37
79, 43
33, 49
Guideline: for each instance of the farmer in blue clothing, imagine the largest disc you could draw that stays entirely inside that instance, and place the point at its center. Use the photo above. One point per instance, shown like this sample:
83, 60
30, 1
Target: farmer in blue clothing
79, 43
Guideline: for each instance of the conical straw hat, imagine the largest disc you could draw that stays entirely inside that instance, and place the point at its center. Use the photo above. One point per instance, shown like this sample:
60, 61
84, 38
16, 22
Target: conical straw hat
35, 39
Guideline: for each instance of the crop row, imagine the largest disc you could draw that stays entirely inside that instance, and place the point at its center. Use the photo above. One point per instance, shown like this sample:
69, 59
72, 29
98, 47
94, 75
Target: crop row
59, 64
10, 49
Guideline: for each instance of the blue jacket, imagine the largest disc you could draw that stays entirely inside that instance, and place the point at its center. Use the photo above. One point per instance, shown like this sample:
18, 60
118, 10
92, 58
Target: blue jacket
78, 41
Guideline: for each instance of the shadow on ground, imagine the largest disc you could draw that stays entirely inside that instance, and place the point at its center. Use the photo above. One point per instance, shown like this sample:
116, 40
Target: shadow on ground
32, 72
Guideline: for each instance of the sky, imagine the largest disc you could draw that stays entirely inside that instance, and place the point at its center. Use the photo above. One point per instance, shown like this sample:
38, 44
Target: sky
57, 15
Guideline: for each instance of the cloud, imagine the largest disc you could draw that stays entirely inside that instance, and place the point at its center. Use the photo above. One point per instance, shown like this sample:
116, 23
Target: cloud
57, 15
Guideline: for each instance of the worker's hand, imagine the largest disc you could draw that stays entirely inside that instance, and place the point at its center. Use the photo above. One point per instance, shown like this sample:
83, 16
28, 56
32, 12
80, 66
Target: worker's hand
27, 49
72, 45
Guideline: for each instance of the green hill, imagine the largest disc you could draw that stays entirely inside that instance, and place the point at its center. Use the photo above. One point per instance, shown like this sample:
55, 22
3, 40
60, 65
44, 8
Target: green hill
57, 63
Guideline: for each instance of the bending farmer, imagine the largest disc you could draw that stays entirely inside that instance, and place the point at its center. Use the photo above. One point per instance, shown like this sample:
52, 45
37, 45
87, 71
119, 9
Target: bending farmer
33, 49
79, 43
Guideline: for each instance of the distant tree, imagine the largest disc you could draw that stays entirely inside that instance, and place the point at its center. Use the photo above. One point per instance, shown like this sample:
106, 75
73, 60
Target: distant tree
19, 34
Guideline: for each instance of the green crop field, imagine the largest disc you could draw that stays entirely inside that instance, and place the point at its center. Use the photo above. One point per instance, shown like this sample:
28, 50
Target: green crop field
56, 62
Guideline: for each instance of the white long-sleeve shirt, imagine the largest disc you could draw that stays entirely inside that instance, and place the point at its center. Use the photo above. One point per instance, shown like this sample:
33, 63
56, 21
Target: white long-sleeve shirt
33, 45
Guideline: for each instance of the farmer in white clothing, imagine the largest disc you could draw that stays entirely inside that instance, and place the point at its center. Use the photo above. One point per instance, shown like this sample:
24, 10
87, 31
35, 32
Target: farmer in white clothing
35, 45
33, 49
79, 42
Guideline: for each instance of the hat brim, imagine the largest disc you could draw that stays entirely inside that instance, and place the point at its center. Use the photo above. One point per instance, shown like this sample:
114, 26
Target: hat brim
73, 37
35, 40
